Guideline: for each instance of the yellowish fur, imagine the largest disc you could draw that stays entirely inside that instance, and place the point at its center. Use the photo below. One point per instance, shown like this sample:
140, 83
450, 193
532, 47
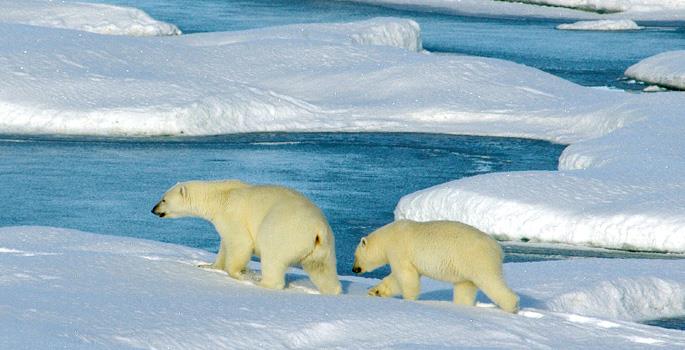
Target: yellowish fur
443, 250
275, 223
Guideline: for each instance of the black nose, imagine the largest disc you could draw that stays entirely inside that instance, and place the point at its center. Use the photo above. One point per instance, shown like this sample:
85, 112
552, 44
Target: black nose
155, 211
356, 269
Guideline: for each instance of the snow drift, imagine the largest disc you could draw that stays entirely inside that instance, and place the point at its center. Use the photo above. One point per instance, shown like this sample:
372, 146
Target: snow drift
601, 25
665, 69
648, 10
349, 77
96, 18
69, 289
613, 5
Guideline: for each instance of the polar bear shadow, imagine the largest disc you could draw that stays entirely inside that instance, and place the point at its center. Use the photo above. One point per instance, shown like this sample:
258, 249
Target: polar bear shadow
446, 295
300, 281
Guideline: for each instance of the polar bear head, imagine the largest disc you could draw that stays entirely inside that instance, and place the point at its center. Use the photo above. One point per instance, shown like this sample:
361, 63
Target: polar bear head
196, 198
370, 254
175, 203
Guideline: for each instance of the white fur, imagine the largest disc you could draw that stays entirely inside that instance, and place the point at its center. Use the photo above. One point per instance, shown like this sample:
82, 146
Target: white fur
443, 250
276, 223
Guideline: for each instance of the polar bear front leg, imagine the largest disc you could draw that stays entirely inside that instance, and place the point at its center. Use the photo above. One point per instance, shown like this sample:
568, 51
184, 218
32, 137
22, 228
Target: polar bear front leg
220, 261
409, 280
239, 249
388, 287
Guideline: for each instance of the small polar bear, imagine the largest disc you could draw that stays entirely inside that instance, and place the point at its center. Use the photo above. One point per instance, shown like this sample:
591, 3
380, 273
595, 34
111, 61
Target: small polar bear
443, 250
275, 223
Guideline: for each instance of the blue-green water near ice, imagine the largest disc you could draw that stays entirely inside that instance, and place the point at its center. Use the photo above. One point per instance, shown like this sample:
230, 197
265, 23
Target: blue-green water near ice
109, 185
587, 58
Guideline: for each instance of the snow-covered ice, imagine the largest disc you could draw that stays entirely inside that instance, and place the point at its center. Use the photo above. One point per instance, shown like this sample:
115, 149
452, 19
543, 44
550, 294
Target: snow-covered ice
613, 5
601, 25
292, 78
96, 18
665, 69
648, 10
69, 289
622, 190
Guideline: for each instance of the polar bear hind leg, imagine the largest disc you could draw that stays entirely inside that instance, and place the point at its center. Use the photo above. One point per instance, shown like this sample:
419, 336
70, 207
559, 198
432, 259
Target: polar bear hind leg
322, 275
279, 246
496, 289
465, 293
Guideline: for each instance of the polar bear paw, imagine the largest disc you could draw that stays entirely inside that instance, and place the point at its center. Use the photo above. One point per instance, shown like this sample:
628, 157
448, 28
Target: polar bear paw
380, 291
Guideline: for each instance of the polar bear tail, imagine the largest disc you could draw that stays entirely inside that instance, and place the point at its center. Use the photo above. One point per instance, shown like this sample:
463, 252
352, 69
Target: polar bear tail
323, 241
320, 264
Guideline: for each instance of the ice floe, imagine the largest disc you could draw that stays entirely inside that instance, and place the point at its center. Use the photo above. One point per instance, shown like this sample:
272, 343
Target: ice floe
665, 69
103, 292
96, 18
601, 25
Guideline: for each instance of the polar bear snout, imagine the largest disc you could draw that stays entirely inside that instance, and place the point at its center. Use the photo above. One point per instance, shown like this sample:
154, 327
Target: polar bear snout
155, 210
356, 268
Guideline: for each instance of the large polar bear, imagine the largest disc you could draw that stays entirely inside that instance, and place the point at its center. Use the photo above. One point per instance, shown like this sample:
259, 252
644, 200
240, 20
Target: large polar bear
276, 223
443, 250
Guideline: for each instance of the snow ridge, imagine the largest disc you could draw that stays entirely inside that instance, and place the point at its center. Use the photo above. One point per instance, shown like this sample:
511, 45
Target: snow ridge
648, 10
95, 18
665, 69
601, 25
102, 292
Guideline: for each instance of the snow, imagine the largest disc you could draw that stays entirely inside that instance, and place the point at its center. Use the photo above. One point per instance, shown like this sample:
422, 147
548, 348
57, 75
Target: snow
292, 78
665, 69
69, 289
647, 10
604, 194
96, 18
613, 5
602, 25
405, 34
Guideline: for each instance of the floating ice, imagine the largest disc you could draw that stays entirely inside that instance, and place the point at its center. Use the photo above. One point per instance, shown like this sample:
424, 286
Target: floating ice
652, 10
601, 25
96, 18
103, 292
665, 69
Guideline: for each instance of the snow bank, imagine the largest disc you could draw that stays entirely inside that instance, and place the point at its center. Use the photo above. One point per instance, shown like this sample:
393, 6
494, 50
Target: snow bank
665, 69
625, 298
613, 5
96, 18
601, 25
604, 194
404, 34
303, 77
69, 289
648, 10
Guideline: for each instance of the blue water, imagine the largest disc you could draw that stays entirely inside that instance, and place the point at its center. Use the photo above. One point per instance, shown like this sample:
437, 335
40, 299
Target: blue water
587, 58
109, 185
671, 323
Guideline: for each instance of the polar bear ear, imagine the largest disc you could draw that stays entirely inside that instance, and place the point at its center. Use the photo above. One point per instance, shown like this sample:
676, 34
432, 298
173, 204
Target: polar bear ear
184, 192
363, 242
